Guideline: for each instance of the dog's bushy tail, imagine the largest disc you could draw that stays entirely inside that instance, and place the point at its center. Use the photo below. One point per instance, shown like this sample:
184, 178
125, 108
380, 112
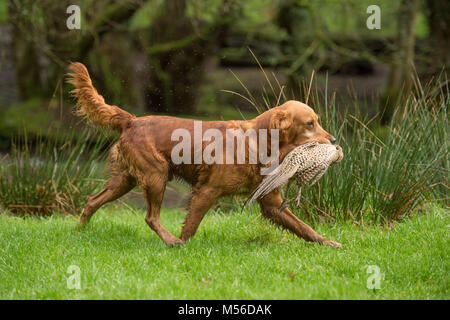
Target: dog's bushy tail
90, 104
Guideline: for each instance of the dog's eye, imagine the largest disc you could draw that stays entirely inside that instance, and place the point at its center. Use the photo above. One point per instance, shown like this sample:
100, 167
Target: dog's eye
311, 124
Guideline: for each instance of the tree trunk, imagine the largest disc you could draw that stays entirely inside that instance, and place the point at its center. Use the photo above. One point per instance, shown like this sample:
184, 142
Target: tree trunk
178, 53
25, 55
74, 45
439, 22
60, 39
175, 72
295, 18
402, 69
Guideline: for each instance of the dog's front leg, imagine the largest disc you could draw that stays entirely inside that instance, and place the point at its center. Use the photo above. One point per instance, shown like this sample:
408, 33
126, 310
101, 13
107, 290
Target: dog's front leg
202, 199
270, 205
153, 186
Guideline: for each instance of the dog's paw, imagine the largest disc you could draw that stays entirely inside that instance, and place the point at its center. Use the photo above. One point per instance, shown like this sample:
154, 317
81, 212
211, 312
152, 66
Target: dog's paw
332, 243
174, 242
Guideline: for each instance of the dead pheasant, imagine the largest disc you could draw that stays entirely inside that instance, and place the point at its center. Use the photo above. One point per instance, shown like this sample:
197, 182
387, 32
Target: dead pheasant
307, 162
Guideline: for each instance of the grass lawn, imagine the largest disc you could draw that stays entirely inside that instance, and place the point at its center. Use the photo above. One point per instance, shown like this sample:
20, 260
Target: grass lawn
233, 256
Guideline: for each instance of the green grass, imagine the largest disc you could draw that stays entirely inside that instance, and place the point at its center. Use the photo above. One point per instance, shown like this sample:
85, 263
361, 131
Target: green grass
233, 256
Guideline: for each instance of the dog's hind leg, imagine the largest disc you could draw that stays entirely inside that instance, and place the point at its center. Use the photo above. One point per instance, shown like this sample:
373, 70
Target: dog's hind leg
116, 187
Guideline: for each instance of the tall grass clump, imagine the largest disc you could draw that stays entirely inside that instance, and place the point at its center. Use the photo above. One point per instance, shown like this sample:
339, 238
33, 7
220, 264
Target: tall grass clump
387, 171
40, 177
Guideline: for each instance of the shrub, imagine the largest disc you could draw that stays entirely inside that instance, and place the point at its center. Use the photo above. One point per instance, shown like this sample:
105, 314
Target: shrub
387, 171
384, 176
42, 176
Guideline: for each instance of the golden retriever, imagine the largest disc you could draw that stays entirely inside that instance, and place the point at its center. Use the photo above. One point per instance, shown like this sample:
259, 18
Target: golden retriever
143, 156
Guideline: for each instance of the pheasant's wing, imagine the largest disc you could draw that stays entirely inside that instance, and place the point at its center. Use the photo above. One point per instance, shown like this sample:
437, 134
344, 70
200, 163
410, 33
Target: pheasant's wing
290, 165
275, 180
324, 156
295, 161
321, 172
280, 177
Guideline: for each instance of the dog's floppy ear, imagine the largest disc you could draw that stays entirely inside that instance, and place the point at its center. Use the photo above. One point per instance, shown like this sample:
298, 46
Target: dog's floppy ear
281, 120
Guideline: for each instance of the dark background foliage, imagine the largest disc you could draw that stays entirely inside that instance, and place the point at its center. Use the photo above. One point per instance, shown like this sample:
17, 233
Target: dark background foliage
174, 57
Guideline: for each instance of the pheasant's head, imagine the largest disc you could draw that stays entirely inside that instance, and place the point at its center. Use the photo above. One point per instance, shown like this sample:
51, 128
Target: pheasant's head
338, 156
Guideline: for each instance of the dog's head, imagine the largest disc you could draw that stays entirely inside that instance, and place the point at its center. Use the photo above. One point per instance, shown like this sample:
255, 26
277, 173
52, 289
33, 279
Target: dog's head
298, 124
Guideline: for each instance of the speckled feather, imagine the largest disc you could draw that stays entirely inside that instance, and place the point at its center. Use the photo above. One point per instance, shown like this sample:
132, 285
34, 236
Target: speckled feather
307, 162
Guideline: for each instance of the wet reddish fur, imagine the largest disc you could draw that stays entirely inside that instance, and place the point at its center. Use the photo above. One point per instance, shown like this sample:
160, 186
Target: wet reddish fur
142, 157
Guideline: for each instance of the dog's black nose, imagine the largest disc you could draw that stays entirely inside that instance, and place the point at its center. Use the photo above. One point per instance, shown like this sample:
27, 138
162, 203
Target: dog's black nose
333, 140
